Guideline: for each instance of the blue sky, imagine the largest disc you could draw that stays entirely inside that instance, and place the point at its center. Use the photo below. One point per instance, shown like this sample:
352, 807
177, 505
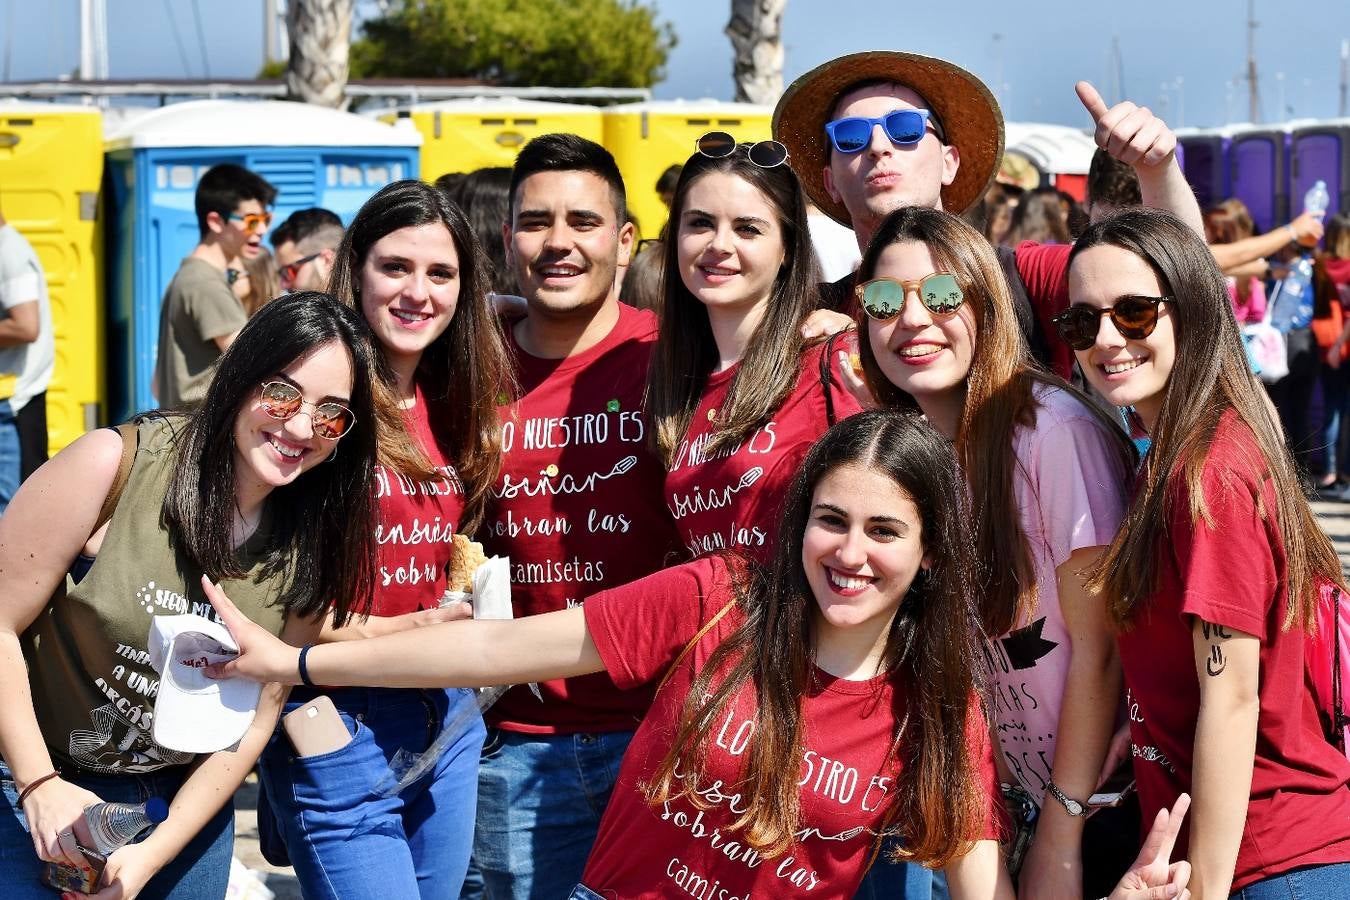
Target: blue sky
1043, 48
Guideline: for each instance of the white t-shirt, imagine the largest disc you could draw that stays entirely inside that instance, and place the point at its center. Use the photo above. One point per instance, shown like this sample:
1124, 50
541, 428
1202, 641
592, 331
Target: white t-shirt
836, 246
22, 281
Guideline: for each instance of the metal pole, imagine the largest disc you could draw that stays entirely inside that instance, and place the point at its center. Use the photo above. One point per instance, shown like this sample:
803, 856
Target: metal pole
87, 40
1254, 98
1345, 78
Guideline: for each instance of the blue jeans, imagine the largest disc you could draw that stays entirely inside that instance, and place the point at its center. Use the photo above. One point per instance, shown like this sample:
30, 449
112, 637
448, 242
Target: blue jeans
540, 799
1329, 882
11, 460
345, 841
888, 880
201, 871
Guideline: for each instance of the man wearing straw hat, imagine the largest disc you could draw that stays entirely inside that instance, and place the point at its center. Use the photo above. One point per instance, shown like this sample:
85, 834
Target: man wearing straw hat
858, 160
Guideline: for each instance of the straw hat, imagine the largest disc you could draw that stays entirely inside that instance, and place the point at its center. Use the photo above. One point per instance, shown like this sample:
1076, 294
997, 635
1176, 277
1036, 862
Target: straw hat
968, 112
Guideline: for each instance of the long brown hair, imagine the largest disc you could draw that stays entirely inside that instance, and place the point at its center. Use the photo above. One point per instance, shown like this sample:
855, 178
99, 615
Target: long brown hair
999, 398
938, 805
1210, 376
1229, 222
463, 370
686, 353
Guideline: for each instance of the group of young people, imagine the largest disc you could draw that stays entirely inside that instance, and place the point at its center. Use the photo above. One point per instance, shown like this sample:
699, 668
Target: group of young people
804, 616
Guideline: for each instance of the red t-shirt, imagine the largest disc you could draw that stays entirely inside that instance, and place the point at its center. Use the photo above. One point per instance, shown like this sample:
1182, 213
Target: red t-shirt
733, 499
1233, 574
417, 522
578, 509
1045, 273
676, 849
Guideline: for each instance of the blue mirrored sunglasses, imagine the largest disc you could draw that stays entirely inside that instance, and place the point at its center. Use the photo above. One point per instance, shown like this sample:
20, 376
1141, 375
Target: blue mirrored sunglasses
902, 126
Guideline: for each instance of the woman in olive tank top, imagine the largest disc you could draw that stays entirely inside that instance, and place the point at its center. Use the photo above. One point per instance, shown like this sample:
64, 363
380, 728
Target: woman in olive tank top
249, 489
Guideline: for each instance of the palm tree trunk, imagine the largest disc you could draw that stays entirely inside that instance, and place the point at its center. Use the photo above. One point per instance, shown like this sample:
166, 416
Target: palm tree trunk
320, 33
756, 32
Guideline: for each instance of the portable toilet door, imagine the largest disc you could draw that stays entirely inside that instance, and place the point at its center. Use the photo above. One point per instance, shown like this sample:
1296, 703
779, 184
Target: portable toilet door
1258, 166
483, 132
1203, 156
648, 138
51, 164
313, 156
1322, 151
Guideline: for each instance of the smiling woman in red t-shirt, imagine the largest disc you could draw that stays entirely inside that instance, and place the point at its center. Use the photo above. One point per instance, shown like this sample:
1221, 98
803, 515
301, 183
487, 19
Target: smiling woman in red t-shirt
800, 717
734, 395
1215, 573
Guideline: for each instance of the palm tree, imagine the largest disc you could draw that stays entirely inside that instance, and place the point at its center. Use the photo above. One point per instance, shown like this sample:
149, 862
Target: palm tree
320, 34
756, 32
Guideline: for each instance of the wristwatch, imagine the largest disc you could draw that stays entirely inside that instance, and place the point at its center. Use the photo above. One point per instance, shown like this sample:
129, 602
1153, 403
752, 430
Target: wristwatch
1073, 806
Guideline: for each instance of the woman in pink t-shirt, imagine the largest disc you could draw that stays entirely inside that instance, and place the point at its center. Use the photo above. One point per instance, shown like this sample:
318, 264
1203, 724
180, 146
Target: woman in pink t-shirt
734, 394
1216, 573
1046, 473
410, 264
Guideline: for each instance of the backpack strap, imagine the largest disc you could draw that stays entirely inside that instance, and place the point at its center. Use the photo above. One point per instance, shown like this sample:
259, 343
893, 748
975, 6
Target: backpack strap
130, 439
1339, 718
688, 648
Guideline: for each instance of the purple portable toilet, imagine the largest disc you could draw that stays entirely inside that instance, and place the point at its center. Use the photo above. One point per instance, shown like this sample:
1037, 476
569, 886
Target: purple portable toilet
1321, 150
1203, 157
1258, 173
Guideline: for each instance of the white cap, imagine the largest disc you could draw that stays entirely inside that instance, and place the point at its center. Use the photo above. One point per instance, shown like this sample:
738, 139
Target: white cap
193, 713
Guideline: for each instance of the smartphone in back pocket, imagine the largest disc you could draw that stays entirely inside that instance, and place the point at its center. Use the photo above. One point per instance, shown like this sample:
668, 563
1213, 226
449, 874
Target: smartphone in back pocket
316, 728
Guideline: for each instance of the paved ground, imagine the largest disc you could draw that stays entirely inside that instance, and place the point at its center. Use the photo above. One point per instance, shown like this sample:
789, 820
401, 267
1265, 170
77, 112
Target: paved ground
1335, 518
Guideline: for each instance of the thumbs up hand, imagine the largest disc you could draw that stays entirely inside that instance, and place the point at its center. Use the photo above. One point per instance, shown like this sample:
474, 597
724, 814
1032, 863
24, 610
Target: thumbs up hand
1130, 133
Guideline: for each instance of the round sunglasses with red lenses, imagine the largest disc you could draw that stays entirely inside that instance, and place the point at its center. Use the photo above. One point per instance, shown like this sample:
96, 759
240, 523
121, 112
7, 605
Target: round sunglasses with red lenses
1133, 316
331, 420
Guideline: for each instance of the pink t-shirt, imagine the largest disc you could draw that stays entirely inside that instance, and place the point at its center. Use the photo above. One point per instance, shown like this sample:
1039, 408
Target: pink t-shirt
1070, 487
733, 498
1232, 573
417, 521
846, 769
1254, 310
578, 509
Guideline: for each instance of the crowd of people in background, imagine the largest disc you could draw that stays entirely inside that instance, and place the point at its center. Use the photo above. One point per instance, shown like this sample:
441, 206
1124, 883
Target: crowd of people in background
873, 529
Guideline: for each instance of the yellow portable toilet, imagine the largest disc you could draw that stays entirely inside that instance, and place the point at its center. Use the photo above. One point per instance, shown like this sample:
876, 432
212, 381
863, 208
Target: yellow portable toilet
51, 165
648, 138
479, 132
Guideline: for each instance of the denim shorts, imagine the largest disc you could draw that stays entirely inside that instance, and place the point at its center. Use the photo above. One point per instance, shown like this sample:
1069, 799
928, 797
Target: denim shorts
1329, 882
201, 870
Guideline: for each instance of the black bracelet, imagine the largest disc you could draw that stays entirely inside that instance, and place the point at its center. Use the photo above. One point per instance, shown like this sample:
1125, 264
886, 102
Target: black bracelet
304, 670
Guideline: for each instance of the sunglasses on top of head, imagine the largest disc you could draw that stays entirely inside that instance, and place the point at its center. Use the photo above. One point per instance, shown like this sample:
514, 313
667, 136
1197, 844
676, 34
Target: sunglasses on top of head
902, 126
330, 419
883, 298
252, 222
1134, 317
765, 154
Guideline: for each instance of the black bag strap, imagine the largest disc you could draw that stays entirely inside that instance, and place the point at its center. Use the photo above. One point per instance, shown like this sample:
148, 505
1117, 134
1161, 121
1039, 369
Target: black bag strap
130, 438
1339, 718
826, 376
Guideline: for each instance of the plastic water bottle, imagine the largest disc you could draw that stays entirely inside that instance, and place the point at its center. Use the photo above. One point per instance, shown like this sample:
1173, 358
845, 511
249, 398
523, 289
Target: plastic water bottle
113, 824
1317, 199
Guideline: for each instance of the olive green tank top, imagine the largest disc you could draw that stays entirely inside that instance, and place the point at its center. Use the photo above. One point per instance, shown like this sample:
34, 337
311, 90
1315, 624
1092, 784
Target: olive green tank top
88, 665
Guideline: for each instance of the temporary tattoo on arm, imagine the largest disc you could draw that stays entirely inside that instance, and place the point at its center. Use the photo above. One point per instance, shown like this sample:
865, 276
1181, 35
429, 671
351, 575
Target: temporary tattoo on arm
1216, 634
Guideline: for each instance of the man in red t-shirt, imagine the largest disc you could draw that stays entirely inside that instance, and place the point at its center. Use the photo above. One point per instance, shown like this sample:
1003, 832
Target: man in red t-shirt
952, 162
578, 509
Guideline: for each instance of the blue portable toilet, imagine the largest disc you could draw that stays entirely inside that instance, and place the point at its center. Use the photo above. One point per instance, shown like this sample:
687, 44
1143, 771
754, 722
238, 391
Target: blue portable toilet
1203, 156
313, 156
1322, 151
1258, 173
